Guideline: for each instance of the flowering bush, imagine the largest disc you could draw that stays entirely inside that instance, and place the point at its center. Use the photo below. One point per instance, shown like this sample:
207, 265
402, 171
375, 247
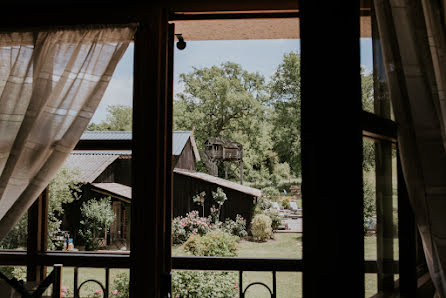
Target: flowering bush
199, 199
65, 292
121, 286
237, 227
191, 224
215, 215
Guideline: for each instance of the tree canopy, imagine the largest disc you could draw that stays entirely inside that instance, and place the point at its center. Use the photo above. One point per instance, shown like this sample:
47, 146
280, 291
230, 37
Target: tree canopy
118, 118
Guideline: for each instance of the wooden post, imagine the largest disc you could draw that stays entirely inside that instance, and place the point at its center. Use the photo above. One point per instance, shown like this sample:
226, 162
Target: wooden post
407, 235
331, 114
57, 280
151, 163
37, 241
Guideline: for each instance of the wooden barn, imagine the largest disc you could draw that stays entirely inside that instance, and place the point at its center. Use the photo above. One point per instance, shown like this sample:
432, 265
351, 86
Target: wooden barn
106, 173
241, 198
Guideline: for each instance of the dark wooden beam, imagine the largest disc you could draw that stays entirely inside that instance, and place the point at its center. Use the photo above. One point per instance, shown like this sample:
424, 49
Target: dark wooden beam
332, 202
151, 159
407, 235
104, 145
37, 238
238, 264
378, 127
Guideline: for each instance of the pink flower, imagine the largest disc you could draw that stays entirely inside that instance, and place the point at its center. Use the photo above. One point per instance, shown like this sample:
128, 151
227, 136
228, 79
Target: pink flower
63, 289
98, 291
235, 286
115, 292
62, 294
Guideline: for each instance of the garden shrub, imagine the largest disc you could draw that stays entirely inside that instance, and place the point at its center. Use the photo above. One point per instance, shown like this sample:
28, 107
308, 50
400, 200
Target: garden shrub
120, 288
276, 221
270, 193
207, 284
215, 243
97, 218
237, 227
286, 203
183, 227
261, 227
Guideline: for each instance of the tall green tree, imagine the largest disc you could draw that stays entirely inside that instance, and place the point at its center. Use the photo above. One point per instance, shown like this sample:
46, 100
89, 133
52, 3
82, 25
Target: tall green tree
285, 100
227, 101
118, 118
219, 101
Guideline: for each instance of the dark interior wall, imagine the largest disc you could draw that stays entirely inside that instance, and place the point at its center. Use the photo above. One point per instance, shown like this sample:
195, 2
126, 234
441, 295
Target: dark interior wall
184, 188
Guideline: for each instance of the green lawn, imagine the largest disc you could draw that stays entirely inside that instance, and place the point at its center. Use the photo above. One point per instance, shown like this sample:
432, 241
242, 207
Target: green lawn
285, 245
289, 245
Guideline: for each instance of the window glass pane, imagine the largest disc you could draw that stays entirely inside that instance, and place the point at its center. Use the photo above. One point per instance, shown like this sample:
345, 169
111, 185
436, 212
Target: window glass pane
17, 236
118, 279
90, 196
227, 284
380, 211
375, 97
236, 144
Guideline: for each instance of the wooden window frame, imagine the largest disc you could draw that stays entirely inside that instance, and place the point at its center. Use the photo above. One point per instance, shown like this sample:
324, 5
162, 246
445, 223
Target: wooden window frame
149, 260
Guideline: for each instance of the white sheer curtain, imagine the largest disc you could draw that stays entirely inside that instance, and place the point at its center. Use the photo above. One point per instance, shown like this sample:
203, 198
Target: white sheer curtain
414, 51
50, 86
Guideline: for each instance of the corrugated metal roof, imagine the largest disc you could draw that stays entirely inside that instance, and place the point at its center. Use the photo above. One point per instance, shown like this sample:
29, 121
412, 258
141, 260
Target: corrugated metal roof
102, 152
89, 166
106, 135
116, 189
179, 139
220, 181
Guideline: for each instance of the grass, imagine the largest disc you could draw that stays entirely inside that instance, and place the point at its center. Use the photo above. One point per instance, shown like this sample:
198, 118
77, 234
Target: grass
87, 274
285, 245
289, 245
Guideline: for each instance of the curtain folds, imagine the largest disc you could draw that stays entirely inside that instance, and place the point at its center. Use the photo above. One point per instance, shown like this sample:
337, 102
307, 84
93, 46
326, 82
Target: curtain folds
50, 86
412, 33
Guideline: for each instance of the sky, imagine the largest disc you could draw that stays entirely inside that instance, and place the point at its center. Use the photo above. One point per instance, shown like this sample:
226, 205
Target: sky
261, 56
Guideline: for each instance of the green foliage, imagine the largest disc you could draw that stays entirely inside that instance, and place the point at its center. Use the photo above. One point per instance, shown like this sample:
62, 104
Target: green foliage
270, 193
286, 120
261, 204
64, 188
220, 198
275, 219
206, 284
367, 90
286, 203
261, 227
17, 272
97, 218
213, 244
369, 205
237, 227
118, 118
227, 101
16, 237
120, 286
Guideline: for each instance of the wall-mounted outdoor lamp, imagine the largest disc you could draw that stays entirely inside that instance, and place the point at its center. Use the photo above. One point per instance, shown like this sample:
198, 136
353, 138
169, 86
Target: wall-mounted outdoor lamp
181, 44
